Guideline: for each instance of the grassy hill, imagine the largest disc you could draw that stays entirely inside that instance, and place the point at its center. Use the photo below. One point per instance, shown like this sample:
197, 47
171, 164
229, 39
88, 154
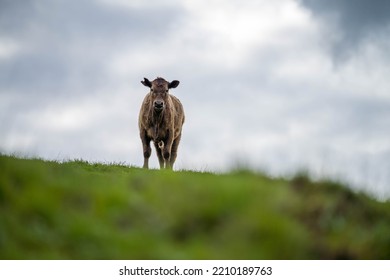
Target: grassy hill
77, 210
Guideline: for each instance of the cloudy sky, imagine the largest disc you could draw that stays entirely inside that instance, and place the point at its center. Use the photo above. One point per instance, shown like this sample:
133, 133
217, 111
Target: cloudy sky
273, 85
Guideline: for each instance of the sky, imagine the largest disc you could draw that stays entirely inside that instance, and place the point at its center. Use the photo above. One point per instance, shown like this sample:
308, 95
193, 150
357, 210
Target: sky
277, 86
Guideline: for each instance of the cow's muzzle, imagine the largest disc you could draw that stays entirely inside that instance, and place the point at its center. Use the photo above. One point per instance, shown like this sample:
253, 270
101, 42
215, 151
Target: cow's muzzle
158, 105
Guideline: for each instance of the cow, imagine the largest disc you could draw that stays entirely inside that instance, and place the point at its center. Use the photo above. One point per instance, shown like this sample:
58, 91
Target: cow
161, 120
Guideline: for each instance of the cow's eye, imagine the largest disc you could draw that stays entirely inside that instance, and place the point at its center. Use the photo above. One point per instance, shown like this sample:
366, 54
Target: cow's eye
166, 91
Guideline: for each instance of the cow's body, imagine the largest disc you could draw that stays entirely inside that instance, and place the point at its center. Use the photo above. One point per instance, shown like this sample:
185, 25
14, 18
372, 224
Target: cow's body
160, 120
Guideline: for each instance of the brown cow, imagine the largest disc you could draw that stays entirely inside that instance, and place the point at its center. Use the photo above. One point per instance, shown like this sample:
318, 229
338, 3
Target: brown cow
160, 120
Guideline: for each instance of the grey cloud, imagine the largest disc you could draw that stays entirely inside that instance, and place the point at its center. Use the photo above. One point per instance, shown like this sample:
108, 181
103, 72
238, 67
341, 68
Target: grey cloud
61, 41
356, 20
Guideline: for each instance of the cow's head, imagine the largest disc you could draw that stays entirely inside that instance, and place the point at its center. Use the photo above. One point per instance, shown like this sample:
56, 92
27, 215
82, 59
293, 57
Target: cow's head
159, 90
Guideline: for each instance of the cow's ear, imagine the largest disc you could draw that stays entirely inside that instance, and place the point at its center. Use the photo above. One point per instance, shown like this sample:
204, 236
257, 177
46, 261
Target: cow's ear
146, 83
173, 84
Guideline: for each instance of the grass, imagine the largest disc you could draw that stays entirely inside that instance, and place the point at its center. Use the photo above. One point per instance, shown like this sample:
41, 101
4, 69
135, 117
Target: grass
77, 210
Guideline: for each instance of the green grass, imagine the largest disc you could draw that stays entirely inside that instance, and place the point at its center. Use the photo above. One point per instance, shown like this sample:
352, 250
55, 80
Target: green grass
77, 210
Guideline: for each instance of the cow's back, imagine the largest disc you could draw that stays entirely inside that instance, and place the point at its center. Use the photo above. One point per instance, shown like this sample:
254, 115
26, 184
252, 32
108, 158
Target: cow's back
179, 111
179, 116
144, 114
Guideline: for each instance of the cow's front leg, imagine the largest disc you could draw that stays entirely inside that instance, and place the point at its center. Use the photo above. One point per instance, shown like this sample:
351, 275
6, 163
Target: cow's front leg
146, 148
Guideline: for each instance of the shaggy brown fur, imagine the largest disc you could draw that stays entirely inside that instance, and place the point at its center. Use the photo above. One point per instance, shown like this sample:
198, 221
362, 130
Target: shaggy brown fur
160, 120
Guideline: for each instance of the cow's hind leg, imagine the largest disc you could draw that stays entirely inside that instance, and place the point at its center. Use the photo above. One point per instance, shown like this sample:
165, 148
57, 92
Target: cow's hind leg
175, 145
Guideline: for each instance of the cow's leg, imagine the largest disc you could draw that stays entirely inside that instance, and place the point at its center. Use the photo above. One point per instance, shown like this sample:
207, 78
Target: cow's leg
175, 145
166, 151
146, 148
159, 154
